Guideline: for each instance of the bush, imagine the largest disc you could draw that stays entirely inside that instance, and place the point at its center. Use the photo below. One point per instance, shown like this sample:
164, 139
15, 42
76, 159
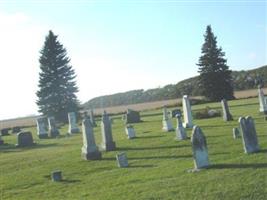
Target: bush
206, 113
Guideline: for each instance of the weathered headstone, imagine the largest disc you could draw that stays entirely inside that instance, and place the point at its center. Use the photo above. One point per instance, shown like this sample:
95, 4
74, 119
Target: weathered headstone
132, 116
42, 127
200, 150
73, 127
249, 135
166, 121
107, 140
122, 160
188, 119
4, 131
226, 113
262, 101
175, 112
24, 139
16, 129
236, 133
130, 132
53, 131
89, 149
56, 176
92, 118
1, 140
180, 130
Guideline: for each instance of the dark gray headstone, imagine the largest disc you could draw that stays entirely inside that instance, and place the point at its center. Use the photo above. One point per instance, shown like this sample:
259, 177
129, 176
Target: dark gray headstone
132, 116
226, 113
24, 139
16, 129
92, 117
236, 133
249, 135
53, 131
1, 140
73, 126
56, 176
180, 130
200, 149
4, 131
89, 149
130, 132
107, 140
122, 160
175, 112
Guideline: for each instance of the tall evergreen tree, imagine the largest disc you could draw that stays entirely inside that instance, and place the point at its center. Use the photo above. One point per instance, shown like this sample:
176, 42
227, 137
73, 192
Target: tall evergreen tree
215, 77
57, 87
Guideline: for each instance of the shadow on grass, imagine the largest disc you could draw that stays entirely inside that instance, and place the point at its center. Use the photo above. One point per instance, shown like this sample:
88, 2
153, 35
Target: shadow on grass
70, 181
217, 126
159, 157
9, 148
151, 148
238, 166
141, 166
147, 137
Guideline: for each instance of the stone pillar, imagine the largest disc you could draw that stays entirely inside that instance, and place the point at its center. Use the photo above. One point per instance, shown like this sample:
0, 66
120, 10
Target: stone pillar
200, 150
73, 127
106, 130
249, 135
89, 148
188, 119
42, 127
166, 121
226, 113
180, 131
52, 128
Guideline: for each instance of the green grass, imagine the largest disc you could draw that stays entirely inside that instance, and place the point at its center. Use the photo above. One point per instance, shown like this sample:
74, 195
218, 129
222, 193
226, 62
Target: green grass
158, 163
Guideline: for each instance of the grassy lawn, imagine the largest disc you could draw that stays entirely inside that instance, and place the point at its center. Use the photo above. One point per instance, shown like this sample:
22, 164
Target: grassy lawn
158, 163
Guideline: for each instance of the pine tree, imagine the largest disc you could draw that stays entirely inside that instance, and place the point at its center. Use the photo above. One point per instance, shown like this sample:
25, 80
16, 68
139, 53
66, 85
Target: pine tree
215, 77
57, 87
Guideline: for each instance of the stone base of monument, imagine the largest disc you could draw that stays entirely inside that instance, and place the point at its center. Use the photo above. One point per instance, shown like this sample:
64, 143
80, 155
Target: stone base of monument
56, 176
96, 155
111, 146
167, 126
74, 130
43, 136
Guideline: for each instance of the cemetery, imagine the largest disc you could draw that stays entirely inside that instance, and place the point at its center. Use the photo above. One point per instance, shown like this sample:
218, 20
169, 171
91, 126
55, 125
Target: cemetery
169, 158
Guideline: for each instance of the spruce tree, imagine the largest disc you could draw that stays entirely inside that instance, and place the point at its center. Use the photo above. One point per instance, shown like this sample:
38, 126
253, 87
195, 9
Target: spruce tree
57, 86
215, 78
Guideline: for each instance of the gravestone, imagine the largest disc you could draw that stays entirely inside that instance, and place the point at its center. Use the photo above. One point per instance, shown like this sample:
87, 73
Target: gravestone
175, 112
130, 132
52, 128
4, 131
107, 140
24, 139
262, 100
132, 116
73, 127
200, 150
16, 129
226, 113
92, 118
56, 176
166, 121
249, 135
42, 127
236, 133
122, 160
1, 140
188, 119
89, 149
180, 130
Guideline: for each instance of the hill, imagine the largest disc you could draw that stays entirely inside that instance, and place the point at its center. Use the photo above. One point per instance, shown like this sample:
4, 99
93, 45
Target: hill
242, 80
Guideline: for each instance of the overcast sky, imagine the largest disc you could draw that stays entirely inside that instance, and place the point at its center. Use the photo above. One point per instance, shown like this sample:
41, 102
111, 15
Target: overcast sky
117, 46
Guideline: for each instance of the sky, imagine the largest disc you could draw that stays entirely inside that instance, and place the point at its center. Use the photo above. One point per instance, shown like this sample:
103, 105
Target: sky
116, 46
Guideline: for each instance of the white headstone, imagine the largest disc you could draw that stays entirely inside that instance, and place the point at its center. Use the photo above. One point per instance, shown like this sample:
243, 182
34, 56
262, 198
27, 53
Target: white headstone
226, 113
107, 140
89, 148
122, 160
130, 132
262, 101
188, 119
249, 135
42, 127
236, 133
166, 121
73, 127
200, 150
180, 131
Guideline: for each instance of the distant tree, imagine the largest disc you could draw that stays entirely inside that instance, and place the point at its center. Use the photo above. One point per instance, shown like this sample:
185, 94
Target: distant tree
57, 87
215, 77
